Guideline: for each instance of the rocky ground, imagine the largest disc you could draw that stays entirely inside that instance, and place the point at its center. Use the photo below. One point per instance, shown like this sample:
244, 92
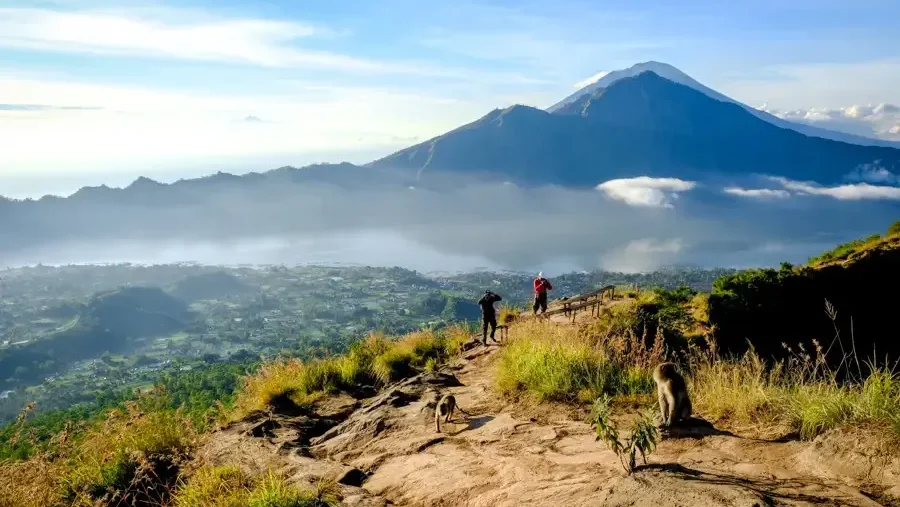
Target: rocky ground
385, 451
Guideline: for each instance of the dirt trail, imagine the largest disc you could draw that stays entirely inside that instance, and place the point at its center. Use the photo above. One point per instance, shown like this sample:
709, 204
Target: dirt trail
386, 452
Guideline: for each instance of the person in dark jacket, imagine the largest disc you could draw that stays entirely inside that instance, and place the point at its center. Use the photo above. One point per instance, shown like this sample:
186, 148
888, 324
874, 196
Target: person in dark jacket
488, 315
541, 286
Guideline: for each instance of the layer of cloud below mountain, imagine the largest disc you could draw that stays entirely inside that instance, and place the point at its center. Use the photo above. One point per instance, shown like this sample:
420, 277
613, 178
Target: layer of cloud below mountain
477, 225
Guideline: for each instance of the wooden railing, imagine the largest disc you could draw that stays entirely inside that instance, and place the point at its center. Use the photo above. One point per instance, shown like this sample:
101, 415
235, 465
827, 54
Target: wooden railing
592, 300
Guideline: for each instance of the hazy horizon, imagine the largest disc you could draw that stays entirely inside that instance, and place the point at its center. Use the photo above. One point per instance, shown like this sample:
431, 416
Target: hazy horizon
633, 224
172, 90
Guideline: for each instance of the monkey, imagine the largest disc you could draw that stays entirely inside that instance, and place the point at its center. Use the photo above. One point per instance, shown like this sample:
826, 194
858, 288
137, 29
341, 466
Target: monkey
445, 408
674, 403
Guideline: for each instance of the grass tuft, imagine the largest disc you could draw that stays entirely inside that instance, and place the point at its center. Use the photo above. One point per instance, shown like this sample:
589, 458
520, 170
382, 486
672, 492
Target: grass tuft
374, 361
551, 362
227, 486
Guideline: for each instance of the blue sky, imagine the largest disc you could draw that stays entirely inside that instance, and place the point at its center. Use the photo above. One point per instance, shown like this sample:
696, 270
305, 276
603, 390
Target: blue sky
95, 91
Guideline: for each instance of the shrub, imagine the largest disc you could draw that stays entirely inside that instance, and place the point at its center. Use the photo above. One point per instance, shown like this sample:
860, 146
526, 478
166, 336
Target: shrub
109, 454
641, 441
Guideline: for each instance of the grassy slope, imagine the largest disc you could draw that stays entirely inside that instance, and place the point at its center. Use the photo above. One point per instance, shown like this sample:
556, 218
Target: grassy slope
801, 394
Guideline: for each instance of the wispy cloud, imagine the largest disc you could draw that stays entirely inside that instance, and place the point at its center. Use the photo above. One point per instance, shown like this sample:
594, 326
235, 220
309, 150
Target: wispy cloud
758, 193
854, 192
46, 107
591, 80
181, 35
873, 173
646, 191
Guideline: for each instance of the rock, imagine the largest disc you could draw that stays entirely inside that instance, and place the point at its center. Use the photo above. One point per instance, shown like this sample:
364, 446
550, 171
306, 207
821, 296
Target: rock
352, 477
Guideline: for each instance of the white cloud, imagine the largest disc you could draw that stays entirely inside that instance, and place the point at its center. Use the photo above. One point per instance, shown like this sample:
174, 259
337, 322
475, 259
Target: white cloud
873, 173
591, 80
646, 191
880, 121
759, 193
184, 35
854, 192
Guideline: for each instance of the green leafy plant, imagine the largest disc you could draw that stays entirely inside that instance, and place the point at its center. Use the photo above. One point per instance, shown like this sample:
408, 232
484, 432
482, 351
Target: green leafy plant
642, 440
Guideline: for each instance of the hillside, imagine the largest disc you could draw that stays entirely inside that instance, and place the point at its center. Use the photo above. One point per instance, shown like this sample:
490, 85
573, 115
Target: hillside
645, 125
840, 300
110, 321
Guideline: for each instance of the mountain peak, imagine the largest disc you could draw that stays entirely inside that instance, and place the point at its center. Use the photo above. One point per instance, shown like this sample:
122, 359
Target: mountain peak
661, 69
144, 182
675, 75
654, 66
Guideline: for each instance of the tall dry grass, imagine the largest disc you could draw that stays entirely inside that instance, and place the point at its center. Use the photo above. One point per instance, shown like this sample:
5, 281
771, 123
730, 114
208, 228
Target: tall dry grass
228, 486
567, 363
803, 393
113, 458
374, 361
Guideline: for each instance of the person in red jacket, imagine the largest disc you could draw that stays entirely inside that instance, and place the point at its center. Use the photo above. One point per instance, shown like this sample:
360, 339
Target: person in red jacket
541, 286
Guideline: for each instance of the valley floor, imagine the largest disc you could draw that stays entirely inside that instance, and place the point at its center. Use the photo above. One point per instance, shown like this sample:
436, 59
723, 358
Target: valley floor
385, 451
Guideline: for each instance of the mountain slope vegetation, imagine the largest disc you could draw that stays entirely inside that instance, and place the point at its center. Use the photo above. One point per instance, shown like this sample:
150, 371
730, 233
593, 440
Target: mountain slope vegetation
845, 292
109, 321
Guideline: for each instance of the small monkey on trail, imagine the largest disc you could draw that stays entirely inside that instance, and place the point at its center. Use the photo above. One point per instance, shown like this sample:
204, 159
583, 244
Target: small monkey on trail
674, 403
445, 409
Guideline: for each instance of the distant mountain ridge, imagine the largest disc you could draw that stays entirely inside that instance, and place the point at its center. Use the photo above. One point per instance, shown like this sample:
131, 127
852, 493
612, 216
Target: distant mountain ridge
648, 120
639, 125
148, 191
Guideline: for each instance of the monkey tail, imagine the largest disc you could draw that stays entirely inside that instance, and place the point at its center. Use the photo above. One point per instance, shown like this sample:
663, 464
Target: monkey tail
461, 410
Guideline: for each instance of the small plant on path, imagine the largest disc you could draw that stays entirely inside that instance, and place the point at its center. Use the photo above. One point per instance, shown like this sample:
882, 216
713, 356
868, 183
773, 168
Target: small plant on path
642, 440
